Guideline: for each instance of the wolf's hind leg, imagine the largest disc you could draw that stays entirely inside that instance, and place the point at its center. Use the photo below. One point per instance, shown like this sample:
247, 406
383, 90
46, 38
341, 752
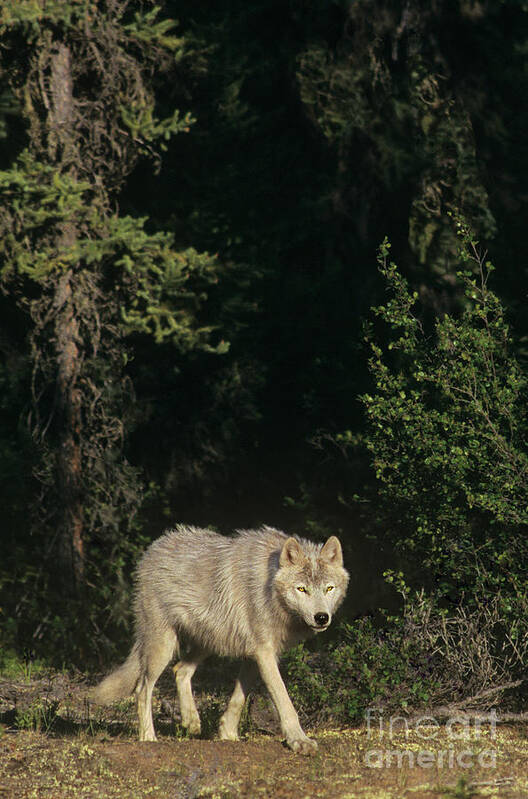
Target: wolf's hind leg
228, 730
157, 650
183, 671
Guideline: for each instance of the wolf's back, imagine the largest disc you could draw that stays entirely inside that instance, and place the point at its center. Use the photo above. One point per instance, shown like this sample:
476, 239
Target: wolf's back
212, 590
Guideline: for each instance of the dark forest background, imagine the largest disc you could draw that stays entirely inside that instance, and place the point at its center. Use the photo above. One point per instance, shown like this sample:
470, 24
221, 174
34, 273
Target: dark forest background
193, 197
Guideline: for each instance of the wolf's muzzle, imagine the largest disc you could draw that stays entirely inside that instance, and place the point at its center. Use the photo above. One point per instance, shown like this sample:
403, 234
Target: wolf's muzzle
321, 619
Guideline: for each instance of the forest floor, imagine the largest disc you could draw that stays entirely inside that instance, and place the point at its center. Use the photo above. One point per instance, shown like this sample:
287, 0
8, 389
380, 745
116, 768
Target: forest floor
54, 745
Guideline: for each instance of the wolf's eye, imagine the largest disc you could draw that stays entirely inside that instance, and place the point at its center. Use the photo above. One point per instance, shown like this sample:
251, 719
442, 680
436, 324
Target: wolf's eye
329, 588
301, 588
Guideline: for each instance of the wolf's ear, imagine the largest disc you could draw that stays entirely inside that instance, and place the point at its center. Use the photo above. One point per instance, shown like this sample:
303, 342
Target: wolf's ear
292, 553
332, 552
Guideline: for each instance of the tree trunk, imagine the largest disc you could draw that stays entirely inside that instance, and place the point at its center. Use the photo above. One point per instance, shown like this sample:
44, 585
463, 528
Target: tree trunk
69, 428
68, 344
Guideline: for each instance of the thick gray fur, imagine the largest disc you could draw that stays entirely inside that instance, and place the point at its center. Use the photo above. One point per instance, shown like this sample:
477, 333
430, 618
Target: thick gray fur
250, 596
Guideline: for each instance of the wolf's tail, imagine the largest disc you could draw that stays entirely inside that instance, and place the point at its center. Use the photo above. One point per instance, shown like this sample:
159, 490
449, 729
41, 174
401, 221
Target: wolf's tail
120, 683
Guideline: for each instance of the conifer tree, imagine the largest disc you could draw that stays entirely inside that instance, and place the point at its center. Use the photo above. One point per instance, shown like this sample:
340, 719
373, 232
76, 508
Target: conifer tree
85, 276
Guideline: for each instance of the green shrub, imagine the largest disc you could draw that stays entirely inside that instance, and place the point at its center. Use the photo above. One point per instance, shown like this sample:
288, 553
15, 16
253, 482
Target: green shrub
468, 657
447, 432
372, 665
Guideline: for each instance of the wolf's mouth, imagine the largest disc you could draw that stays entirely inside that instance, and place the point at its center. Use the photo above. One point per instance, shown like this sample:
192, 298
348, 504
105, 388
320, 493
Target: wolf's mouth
318, 629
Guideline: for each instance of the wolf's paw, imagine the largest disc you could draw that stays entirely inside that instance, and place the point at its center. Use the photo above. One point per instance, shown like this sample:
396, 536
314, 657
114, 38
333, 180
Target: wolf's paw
302, 746
148, 736
227, 732
194, 726
190, 721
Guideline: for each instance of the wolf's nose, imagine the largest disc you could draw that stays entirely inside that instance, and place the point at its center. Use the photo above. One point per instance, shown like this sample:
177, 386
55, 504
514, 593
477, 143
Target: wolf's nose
321, 619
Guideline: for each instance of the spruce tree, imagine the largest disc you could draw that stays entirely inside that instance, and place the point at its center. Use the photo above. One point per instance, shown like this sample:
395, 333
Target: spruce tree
84, 276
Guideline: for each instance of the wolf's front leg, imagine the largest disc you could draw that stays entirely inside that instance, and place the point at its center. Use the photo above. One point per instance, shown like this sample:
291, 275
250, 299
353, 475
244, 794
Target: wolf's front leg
291, 728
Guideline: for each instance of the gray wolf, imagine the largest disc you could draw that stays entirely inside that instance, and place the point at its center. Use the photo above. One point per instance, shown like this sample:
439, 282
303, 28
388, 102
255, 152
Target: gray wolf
249, 596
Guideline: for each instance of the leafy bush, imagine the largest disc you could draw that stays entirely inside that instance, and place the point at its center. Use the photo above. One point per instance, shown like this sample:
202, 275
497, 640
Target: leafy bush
447, 432
370, 666
423, 657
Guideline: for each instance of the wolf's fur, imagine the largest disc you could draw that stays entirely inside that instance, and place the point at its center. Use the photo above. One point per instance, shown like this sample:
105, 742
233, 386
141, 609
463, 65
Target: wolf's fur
200, 593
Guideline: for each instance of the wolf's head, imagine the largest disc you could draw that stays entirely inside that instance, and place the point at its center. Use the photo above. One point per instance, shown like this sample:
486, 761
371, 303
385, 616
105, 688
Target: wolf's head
311, 581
